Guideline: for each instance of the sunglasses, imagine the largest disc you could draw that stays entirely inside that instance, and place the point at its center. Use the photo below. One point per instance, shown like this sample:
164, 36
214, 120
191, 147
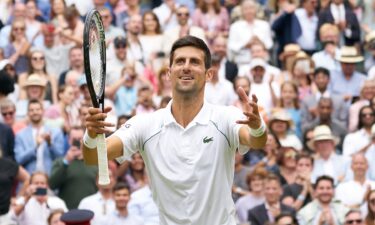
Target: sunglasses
19, 28
182, 14
38, 58
354, 221
10, 113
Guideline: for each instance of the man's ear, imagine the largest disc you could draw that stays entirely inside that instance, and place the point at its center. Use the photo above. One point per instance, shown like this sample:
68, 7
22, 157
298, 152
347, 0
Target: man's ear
169, 73
209, 74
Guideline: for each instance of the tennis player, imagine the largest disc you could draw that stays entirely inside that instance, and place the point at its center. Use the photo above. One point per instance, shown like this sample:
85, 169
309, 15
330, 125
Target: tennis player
188, 147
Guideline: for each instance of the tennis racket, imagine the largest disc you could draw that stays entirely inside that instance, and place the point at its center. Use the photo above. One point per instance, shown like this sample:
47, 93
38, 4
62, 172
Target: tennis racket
95, 62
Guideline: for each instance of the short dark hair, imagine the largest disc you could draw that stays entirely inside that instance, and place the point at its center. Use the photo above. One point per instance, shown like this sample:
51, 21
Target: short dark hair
120, 185
6, 83
324, 178
304, 155
35, 101
286, 214
273, 177
191, 41
321, 70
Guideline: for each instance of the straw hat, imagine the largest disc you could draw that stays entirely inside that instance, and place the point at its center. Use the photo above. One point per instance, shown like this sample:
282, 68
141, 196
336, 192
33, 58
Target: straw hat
320, 133
281, 115
289, 50
349, 54
35, 80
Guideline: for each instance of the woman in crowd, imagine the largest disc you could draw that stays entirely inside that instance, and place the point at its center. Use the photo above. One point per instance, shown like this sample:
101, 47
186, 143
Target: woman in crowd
65, 110
37, 65
287, 161
281, 124
212, 17
290, 103
151, 41
164, 87
57, 13
255, 180
8, 111
17, 49
302, 67
54, 217
136, 177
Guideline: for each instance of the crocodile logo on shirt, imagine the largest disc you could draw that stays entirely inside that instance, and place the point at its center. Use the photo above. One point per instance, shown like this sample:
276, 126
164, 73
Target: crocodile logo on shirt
207, 139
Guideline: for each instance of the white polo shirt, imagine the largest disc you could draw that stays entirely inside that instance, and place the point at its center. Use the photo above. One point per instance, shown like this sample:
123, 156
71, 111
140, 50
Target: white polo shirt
191, 169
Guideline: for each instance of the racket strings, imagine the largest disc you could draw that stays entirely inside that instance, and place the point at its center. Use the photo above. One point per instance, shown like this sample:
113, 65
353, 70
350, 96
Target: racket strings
96, 62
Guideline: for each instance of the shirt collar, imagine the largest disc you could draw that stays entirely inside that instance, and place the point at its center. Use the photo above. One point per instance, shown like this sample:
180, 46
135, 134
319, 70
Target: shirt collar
203, 116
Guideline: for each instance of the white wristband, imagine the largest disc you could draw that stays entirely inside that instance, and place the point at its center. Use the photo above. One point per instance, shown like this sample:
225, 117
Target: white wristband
258, 132
88, 141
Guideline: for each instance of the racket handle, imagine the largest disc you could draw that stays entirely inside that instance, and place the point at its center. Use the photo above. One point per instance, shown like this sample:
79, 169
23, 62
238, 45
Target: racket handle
102, 160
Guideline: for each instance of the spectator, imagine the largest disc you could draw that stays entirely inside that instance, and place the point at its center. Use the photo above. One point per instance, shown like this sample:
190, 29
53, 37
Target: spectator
31, 17
243, 31
300, 193
354, 216
219, 91
301, 70
35, 206
133, 8
55, 51
8, 111
272, 207
145, 103
286, 218
101, 203
135, 50
110, 31
18, 47
255, 181
64, 114
70, 176
75, 63
309, 105
57, 14
370, 47
347, 82
324, 117
240, 186
287, 161
167, 15
324, 209
141, 204
38, 65
227, 70
281, 125
164, 88
367, 93
342, 16
54, 217
360, 140
213, 18
10, 173
152, 41
74, 31
182, 29
328, 162
122, 214
271, 151
35, 87
136, 176
6, 142
265, 91
370, 153
290, 103
38, 145
329, 38
352, 193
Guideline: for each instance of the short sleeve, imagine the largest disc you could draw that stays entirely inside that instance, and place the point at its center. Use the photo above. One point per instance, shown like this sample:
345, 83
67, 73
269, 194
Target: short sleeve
234, 114
130, 136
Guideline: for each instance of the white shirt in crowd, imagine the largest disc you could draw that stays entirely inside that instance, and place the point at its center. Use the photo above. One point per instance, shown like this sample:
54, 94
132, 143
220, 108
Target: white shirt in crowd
142, 205
241, 32
114, 218
307, 40
352, 192
221, 93
355, 141
101, 207
191, 169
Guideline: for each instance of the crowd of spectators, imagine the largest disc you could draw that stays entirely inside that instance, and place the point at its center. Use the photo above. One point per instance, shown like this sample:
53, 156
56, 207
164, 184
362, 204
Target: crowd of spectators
311, 64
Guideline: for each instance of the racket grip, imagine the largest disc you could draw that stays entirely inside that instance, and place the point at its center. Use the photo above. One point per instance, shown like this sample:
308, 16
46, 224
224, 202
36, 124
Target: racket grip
102, 160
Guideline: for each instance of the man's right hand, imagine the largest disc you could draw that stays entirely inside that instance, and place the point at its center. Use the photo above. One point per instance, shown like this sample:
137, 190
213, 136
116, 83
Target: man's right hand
95, 123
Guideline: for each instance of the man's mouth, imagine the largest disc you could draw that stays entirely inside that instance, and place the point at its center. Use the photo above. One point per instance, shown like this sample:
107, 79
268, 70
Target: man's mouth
186, 78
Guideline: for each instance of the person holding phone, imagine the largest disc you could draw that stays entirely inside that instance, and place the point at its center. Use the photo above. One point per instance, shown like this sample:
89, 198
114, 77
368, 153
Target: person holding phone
36, 204
70, 176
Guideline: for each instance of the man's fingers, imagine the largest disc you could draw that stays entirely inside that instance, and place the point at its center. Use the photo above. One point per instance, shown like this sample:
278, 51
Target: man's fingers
96, 117
254, 107
255, 98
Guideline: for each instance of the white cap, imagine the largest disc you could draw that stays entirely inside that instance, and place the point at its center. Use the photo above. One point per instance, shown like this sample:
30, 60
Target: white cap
257, 62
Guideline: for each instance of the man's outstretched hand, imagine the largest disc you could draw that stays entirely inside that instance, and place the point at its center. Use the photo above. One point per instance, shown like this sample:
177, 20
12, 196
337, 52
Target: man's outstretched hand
250, 110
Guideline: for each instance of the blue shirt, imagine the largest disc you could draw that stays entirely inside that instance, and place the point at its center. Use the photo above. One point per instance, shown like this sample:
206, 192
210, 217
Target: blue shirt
125, 100
341, 86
